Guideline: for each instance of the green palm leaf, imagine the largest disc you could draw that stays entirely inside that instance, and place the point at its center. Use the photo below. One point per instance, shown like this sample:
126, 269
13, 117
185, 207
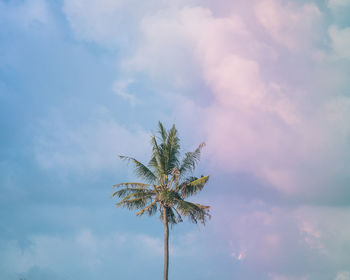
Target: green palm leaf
132, 185
162, 131
135, 203
129, 192
172, 149
195, 212
190, 160
192, 185
158, 158
141, 170
149, 209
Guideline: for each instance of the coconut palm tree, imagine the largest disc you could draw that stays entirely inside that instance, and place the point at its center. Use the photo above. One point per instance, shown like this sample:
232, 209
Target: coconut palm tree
167, 183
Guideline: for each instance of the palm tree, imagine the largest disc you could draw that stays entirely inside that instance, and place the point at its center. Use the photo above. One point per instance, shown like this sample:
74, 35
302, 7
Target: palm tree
168, 182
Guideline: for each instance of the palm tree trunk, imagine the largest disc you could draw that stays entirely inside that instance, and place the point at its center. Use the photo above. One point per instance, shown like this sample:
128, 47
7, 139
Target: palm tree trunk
166, 243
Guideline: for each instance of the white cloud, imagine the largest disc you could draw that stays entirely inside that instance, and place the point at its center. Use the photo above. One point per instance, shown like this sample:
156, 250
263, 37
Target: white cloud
343, 275
93, 145
89, 254
254, 123
239, 255
59, 253
284, 241
338, 3
96, 20
287, 277
264, 116
26, 13
289, 24
340, 40
155, 245
112, 23
121, 88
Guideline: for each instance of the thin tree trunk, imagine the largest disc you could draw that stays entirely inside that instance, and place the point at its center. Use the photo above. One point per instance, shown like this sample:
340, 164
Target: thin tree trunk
166, 244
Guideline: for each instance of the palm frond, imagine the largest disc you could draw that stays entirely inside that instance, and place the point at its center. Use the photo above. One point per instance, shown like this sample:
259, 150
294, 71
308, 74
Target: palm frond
169, 197
141, 170
129, 192
150, 209
172, 219
174, 181
155, 165
195, 212
172, 149
190, 160
173, 216
162, 131
178, 218
132, 185
135, 203
192, 185
158, 155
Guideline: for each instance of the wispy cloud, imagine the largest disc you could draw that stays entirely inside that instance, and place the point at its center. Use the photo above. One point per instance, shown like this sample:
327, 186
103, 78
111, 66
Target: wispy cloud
121, 88
93, 145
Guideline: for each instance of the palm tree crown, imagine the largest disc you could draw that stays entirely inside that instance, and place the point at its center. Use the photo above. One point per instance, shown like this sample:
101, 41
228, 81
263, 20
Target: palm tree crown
167, 185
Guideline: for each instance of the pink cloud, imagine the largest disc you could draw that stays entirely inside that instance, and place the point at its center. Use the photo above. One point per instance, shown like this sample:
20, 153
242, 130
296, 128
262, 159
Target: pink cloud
289, 24
277, 111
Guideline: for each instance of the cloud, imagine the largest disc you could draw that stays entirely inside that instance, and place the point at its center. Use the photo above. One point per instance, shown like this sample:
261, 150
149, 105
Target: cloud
289, 242
343, 275
57, 255
338, 3
95, 20
293, 26
93, 145
275, 107
25, 13
88, 254
340, 41
261, 114
121, 88
111, 23
286, 277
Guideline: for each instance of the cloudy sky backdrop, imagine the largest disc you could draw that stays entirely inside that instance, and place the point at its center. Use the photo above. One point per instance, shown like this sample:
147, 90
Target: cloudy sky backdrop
264, 83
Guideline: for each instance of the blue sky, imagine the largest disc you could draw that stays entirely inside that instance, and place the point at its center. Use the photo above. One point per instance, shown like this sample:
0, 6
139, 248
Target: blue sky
264, 84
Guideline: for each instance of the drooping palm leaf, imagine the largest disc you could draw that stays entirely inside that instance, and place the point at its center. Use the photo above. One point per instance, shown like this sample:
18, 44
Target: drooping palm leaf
168, 197
150, 209
171, 216
141, 170
195, 212
178, 216
135, 203
192, 185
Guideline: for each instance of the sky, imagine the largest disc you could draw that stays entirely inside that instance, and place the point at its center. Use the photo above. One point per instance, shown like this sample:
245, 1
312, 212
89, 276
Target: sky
265, 83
